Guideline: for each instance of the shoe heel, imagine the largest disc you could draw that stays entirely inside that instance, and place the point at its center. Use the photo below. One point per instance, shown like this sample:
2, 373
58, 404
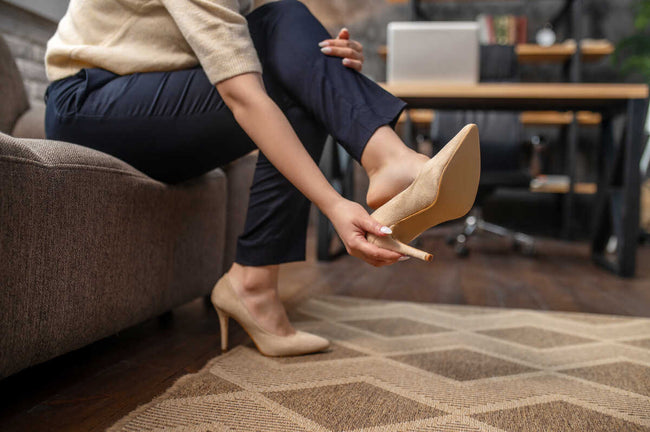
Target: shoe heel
223, 326
393, 244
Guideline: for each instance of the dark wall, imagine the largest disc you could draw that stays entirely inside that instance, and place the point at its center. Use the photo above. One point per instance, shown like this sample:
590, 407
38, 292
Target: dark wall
26, 35
367, 20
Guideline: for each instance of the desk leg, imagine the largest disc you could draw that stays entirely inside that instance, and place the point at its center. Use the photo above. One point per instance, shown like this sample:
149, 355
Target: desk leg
625, 164
572, 150
607, 163
636, 116
416, 12
575, 68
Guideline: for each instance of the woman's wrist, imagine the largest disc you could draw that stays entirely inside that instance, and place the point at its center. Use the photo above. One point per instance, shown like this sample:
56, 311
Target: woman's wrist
329, 204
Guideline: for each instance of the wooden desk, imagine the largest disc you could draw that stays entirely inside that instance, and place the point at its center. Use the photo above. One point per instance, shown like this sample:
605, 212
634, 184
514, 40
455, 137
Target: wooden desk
558, 53
618, 165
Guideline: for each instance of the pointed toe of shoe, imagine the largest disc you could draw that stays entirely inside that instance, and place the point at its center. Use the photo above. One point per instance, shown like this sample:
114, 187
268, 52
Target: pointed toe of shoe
313, 343
297, 344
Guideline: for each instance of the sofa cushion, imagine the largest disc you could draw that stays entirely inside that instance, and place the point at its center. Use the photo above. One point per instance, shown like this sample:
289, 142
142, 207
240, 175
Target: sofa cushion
53, 154
12, 92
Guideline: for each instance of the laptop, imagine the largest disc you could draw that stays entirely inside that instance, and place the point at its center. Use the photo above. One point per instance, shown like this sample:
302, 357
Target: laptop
441, 52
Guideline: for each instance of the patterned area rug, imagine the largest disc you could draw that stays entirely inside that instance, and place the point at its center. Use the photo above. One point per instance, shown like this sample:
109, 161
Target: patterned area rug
398, 366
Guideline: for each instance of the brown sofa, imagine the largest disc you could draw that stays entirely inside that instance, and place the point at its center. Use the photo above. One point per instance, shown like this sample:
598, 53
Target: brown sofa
89, 245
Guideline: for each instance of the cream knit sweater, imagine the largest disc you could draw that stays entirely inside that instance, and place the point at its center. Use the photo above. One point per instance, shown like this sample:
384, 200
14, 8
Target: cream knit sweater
128, 36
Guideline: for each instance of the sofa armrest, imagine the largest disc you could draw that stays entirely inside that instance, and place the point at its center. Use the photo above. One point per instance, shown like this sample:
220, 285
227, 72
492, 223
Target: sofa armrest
31, 124
90, 246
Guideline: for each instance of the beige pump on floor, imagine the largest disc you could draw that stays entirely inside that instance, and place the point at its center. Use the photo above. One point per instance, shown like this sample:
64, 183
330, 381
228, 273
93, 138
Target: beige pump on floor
228, 305
444, 189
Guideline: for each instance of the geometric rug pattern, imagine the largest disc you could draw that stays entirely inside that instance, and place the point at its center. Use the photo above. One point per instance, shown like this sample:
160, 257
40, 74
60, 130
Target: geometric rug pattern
416, 367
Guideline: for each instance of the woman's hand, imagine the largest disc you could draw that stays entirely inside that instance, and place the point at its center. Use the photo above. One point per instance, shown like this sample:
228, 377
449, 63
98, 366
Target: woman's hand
350, 51
352, 222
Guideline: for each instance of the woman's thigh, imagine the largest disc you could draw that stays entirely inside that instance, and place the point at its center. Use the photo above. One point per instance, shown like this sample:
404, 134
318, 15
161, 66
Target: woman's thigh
171, 125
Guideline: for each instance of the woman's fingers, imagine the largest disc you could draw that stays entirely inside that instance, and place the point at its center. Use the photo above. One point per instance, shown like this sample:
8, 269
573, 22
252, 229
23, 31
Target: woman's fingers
352, 222
351, 58
374, 254
350, 51
342, 43
342, 52
371, 253
369, 225
353, 64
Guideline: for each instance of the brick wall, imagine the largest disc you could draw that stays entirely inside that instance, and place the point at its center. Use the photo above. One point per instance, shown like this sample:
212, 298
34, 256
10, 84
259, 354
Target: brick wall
26, 35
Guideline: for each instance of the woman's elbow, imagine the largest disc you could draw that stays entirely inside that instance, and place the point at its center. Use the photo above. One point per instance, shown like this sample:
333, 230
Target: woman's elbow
241, 91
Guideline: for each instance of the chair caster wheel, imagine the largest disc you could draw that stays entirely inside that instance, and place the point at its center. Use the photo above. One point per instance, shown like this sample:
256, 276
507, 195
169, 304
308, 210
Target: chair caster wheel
529, 250
526, 247
461, 250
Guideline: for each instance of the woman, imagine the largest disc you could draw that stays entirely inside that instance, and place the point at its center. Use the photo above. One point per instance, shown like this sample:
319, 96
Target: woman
177, 88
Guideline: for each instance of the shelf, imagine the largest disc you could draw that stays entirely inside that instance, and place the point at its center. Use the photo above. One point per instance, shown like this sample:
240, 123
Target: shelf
382, 50
558, 53
422, 117
561, 185
556, 118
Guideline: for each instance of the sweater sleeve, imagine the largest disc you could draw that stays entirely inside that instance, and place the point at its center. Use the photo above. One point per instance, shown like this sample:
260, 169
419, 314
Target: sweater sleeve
218, 35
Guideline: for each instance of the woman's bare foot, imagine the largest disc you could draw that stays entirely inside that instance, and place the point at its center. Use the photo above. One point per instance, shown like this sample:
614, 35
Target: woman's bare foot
391, 166
392, 178
257, 287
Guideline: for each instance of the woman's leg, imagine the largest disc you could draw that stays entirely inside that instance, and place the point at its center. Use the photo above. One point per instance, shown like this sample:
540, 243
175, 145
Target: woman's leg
352, 108
174, 126
357, 112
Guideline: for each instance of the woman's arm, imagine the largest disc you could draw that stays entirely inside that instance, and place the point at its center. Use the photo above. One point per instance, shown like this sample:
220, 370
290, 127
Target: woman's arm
267, 126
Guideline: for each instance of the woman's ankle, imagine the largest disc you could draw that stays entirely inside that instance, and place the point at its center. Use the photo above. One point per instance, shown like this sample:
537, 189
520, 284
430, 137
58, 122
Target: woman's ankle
383, 148
257, 287
253, 279
392, 178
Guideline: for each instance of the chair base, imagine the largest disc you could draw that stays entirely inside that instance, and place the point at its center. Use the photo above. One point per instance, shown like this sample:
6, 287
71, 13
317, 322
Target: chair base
475, 224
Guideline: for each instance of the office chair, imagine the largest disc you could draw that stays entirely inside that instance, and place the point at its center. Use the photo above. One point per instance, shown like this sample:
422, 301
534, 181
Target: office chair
503, 150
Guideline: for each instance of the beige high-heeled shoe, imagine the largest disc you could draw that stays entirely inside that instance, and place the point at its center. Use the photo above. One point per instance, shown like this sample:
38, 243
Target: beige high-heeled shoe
229, 305
444, 189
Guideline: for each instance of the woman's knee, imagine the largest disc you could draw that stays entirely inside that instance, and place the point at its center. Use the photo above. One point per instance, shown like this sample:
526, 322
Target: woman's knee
291, 6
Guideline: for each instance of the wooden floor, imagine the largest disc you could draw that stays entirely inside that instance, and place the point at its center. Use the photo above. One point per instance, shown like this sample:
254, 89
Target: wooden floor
91, 388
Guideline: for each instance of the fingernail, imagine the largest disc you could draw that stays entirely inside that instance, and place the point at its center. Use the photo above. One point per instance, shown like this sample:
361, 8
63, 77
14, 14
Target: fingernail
346, 61
323, 44
345, 29
404, 258
326, 50
386, 230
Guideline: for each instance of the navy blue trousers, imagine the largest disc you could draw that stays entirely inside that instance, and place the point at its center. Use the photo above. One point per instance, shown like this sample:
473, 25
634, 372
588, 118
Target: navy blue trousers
174, 126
